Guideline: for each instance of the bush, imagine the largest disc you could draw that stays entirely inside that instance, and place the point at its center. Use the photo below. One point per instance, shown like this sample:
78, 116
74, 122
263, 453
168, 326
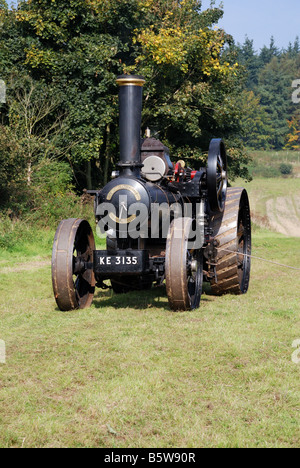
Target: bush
42, 205
268, 172
286, 169
13, 233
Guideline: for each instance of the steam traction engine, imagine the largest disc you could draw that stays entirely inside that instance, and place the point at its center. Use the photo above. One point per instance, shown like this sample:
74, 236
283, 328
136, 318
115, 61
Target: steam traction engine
163, 222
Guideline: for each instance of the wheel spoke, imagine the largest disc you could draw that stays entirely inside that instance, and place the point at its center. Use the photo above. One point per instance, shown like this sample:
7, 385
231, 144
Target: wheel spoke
220, 189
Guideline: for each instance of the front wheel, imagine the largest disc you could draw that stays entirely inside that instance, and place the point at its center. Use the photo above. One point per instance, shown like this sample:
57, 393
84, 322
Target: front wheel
72, 259
184, 267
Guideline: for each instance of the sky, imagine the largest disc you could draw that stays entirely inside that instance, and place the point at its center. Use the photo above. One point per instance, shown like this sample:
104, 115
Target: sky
259, 20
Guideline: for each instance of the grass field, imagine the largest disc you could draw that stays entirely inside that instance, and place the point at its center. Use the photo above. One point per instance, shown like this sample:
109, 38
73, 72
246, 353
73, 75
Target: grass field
130, 373
275, 200
275, 203
267, 163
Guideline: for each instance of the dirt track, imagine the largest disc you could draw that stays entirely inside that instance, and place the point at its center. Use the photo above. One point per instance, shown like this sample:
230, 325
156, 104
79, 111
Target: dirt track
29, 266
284, 215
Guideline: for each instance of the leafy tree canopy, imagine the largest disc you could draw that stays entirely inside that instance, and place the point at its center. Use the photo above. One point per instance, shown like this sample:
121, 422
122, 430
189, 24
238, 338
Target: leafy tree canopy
76, 48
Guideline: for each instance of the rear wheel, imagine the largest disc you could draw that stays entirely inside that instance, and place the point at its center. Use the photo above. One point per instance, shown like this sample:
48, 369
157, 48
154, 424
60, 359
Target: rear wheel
232, 229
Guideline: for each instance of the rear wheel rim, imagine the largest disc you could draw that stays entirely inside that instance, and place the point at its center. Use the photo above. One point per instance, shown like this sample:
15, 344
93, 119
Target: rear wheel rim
244, 247
232, 230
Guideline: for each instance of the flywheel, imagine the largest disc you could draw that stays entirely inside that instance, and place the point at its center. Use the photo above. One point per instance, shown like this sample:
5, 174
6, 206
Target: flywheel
217, 175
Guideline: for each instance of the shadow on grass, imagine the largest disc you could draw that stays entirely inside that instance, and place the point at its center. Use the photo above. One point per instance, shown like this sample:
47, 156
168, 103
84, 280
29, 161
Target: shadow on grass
153, 298
138, 300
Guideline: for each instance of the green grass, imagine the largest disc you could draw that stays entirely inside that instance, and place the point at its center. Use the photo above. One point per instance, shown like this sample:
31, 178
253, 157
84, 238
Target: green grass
274, 198
271, 156
266, 164
130, 373
261, 190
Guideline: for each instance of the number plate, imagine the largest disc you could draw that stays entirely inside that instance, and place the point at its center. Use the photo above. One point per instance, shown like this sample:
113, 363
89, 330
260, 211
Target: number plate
117, 261
135, 261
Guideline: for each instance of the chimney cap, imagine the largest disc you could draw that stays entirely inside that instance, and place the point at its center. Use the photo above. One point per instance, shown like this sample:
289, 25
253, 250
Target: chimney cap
131, 80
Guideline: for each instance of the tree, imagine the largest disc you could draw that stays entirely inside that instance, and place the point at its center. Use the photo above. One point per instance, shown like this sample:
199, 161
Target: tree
192, 92
29, 141
270, 77
294, 49
256, 122
268, 53
75, 49
35, 123
293, 137
9, 164
248, 58
275, 90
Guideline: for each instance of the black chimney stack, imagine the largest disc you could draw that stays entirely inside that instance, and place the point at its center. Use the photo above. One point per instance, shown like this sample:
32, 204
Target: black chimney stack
130, 104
